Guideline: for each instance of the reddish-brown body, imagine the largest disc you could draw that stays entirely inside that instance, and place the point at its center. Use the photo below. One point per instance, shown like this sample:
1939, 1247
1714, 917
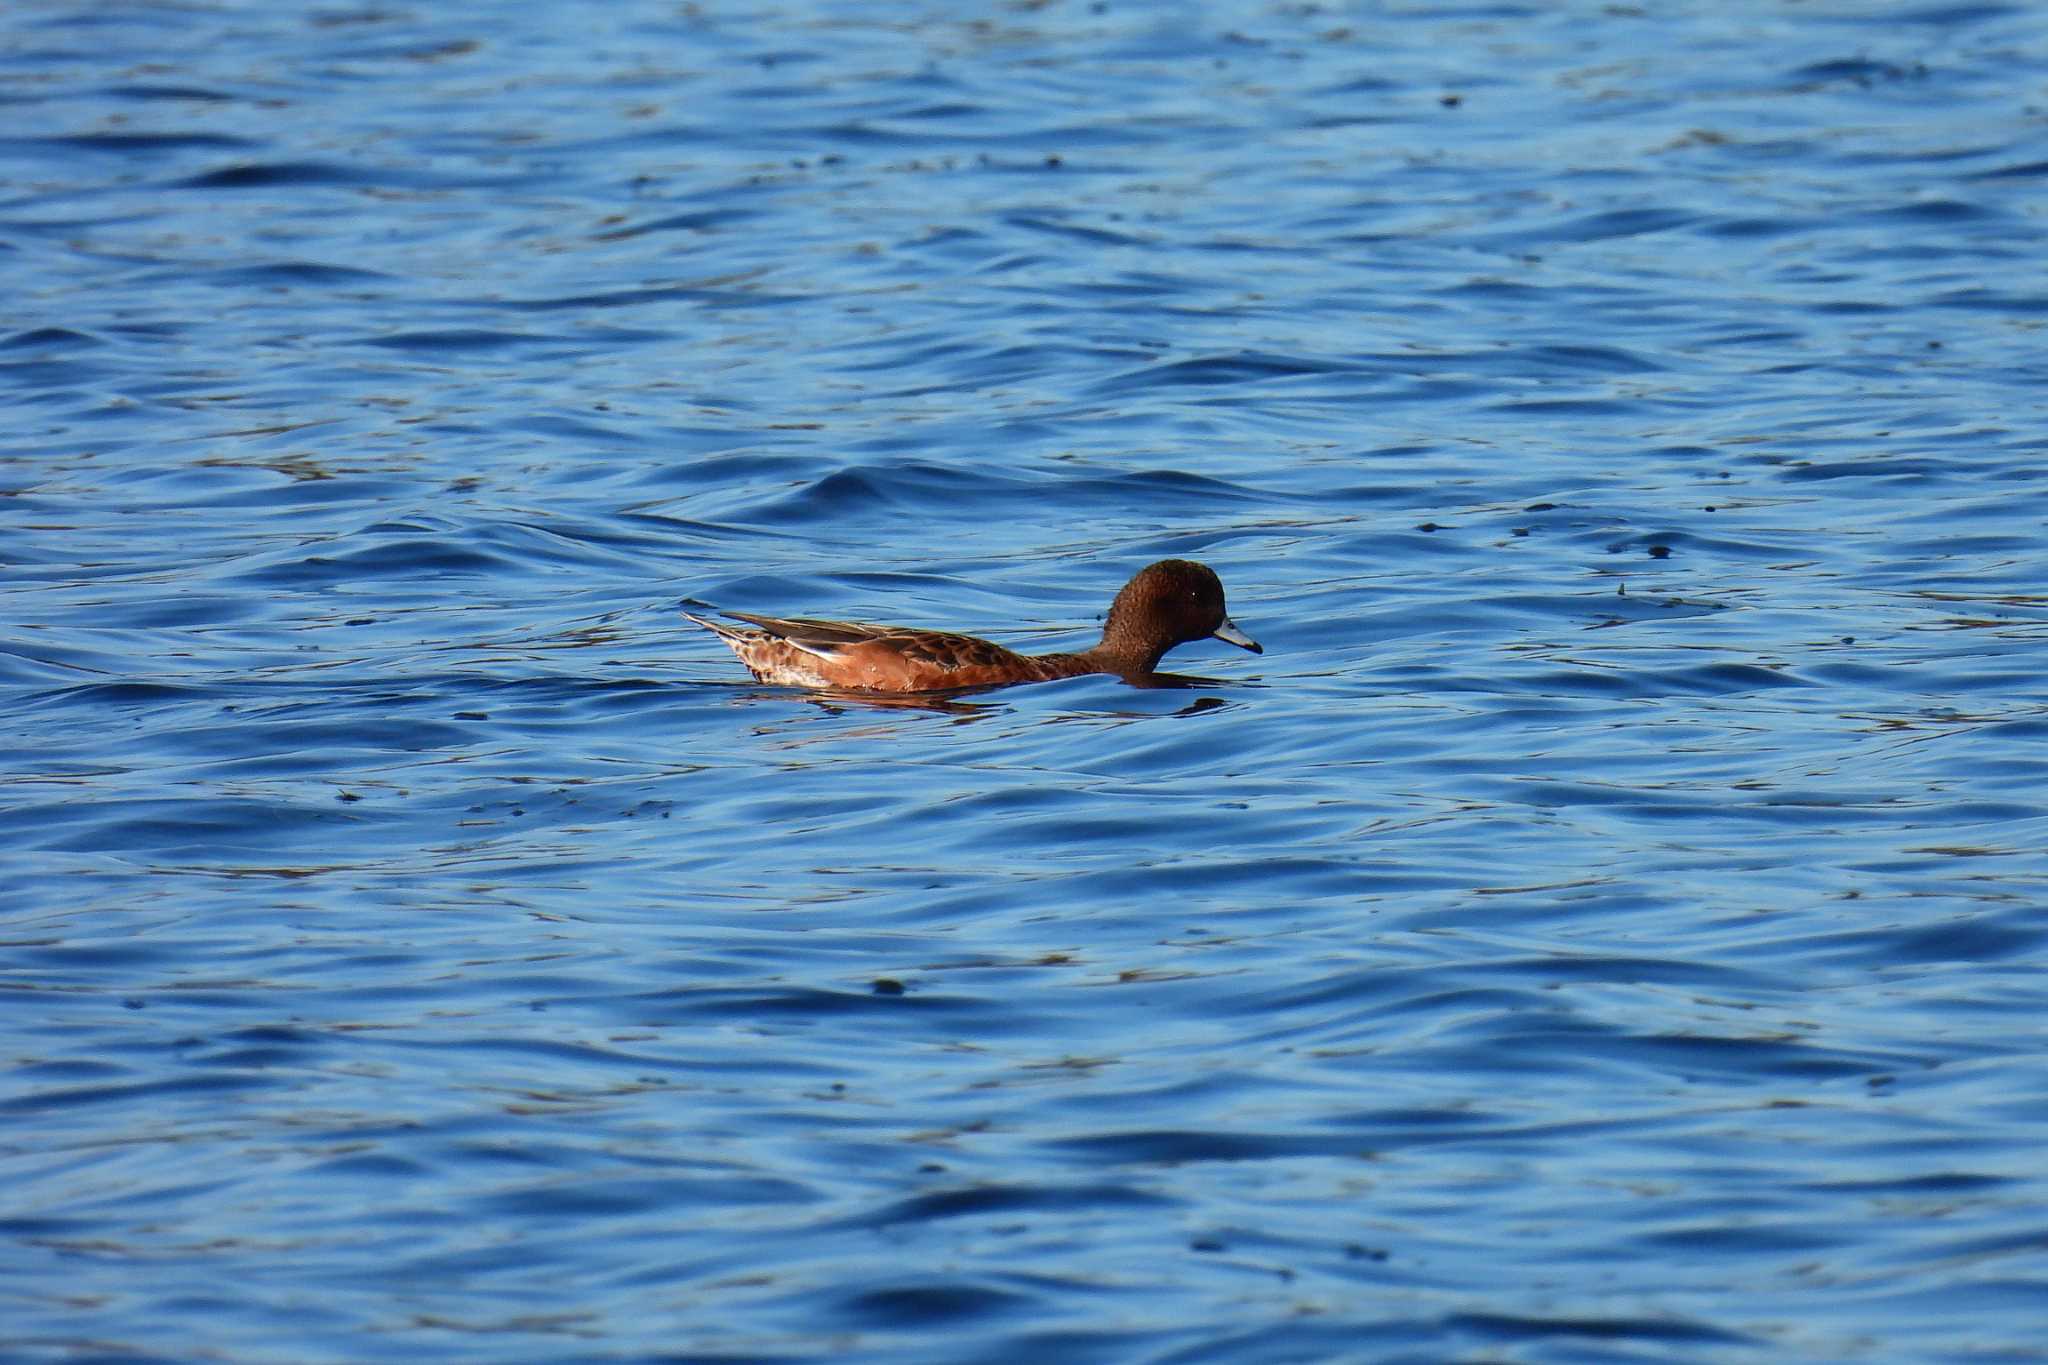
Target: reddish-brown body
1167, 604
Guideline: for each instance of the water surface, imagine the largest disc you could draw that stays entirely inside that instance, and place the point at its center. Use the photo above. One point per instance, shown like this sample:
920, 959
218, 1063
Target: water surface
1604, 925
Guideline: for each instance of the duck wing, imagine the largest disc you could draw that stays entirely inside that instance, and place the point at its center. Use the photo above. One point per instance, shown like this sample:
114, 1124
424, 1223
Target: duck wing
833, 639
806, 631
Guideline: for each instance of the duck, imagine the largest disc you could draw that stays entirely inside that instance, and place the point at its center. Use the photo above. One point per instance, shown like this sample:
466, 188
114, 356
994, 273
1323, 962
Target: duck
1165, 604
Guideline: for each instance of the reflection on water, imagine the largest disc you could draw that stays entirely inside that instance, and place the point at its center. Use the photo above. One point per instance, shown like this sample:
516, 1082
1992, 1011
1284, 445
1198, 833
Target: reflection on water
1604, 920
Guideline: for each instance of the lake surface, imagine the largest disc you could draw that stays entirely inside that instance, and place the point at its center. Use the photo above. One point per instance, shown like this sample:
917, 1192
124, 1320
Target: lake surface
1607, 924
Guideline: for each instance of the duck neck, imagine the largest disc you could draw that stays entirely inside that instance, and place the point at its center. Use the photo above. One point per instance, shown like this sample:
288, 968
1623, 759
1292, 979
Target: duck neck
1121, 656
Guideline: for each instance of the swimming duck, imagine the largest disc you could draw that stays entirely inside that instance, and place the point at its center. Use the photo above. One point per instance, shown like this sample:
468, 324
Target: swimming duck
1166, 604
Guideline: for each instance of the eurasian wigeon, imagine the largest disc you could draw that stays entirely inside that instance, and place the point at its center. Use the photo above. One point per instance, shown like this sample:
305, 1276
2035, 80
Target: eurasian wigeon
1167, 604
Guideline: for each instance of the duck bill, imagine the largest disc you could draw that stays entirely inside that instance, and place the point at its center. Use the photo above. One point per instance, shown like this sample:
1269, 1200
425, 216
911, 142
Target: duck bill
1230, 634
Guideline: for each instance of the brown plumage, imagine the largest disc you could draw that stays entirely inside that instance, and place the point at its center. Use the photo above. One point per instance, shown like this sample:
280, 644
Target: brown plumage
1167, 604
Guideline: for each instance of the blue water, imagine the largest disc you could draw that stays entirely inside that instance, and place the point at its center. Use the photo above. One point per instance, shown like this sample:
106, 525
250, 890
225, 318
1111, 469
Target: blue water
1607, 924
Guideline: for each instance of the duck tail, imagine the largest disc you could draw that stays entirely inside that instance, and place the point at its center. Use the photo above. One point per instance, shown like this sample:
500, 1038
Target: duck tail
718, 628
